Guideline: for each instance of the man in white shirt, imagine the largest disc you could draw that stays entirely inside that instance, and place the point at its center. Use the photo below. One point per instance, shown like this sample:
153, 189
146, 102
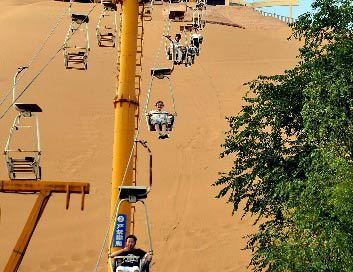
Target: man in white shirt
175, 49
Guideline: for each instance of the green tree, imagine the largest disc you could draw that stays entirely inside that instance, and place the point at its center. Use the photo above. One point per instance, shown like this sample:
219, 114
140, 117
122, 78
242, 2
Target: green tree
292, 145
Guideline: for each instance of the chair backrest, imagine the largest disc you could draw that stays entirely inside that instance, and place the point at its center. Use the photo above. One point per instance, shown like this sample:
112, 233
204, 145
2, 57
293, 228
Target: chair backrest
109, 6
176, 15
80, 18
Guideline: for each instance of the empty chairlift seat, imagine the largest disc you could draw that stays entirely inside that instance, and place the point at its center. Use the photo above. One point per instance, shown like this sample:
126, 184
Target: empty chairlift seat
157, 2
80, 18
110, 6
161, 72
147, 13
176, 15
133, 192
186, 28
23, 162
106, 29
73, 53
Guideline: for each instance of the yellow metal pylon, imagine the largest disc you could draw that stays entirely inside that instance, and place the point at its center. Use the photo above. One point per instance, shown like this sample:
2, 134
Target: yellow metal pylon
125, 104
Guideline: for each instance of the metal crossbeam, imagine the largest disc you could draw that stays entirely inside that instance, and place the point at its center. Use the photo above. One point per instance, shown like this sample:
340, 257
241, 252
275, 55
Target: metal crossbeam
45, 189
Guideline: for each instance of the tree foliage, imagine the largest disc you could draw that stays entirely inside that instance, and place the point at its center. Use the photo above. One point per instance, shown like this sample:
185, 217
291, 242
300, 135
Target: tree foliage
292, 145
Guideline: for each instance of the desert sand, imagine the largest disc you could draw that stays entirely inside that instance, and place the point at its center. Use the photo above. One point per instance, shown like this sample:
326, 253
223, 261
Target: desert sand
191, 230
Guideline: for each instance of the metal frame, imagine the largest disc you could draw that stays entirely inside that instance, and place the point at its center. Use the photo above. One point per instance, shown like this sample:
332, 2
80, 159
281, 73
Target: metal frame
197, 20
148, 115
19, 70
44, 189
76, 54
28, 167
109, 9
191, 50
24, 167
176, 15
199, 40
201, 4
134, 198
110, 259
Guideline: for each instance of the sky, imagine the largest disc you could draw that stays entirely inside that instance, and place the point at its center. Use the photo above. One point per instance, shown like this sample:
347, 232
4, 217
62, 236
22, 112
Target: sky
304, 6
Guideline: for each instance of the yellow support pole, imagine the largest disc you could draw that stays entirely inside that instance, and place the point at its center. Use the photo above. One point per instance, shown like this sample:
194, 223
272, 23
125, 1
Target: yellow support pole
125, 103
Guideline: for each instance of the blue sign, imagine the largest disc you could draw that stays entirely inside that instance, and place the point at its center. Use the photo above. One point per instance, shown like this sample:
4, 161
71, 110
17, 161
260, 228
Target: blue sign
119, 231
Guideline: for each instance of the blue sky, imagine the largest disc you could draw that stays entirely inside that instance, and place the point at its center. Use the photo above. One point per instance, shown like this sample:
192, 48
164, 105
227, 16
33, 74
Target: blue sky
304, 6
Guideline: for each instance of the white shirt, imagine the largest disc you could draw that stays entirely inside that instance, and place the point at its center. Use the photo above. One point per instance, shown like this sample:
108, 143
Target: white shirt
175, 44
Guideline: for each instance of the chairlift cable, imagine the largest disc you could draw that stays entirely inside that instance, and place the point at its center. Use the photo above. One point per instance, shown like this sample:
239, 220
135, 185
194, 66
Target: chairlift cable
133, 147
42, 69
51, 32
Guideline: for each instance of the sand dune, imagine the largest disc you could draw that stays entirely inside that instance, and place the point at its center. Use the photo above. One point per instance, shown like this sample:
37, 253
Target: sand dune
190, 228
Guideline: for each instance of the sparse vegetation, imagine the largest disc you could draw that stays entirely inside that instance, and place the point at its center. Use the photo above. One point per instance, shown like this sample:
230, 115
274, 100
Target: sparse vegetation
292, 145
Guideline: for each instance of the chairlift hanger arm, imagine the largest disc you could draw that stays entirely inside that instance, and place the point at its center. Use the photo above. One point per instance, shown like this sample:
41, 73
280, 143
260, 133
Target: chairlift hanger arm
144, 144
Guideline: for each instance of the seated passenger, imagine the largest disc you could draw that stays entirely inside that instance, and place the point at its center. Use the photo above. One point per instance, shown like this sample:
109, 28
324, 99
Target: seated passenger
136, 255
196, 39
159, 119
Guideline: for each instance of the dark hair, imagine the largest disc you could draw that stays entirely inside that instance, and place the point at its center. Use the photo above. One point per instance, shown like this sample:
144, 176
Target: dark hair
159, 101
178, 35
131, 236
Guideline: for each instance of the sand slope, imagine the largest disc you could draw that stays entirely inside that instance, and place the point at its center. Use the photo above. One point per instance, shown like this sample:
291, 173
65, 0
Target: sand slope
189, 227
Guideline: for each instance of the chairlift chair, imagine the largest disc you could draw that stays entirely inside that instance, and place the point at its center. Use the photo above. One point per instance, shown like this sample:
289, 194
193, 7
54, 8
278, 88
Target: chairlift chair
186, 28
147, 13
106, 34
24, 163
157, 2
190, 51
190, 54
197, 19
162, 73
133, 194
170, 124
196, 40
147, 8
176, 15
77, 54
121, 259
201, 4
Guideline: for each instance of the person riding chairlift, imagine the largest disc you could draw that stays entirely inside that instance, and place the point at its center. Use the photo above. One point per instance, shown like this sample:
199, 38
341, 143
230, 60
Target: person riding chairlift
135, 256
159, 119
196, 40
175, 49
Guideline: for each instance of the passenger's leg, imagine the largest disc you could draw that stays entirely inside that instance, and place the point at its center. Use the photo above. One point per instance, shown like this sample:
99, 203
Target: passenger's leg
122, 269
164, 129
179, 55
158, 129
134, 269
164, 132
156, 126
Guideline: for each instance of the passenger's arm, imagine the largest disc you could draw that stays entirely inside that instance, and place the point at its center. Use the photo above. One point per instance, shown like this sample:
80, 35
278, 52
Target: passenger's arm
117, 253
148, 256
